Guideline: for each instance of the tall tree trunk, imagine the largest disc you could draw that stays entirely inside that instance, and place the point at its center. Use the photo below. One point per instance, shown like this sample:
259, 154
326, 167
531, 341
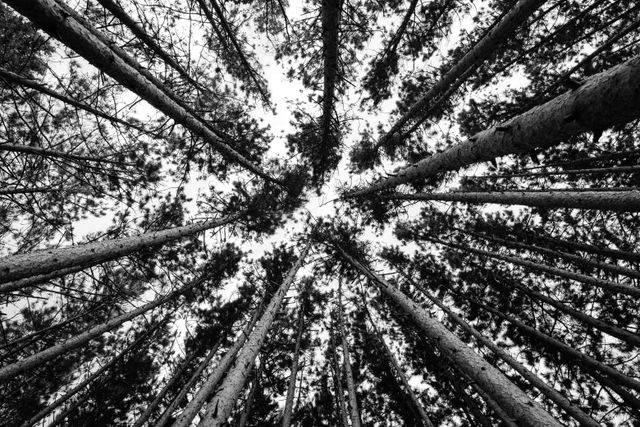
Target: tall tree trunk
613, 268
604, 100
141, 34
551, 393
581, 161
585, 247
401, 375
569, 172
10, 77
179, 398
620, 201
337, 383
330, 34
291, 389
50, 260
583, 278
223, 366
513, 400
479, 53
74, 390
219, 409
39, 151
175, 377
493, 405
570, 354
39, 278
346, 360
248, 406
58, 21
468, 401
29, 362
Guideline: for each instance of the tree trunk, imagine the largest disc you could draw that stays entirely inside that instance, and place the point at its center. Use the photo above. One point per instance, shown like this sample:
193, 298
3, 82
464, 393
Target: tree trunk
43, 152
8, 76
551, 393
219, 409
493, 405
569, 353
351, 387
604, 100
55, 19
30, 190
337, 380
584, 247
403, 379
50, 260
74, 390
38, 279
581, 161
620, 201
330, 34
179, 398
141, 34
513, 400
583, 278
207, 388
481, 419
50, 353
479, 53
612, 268
569, 172
246, 414
291, 389
151, 408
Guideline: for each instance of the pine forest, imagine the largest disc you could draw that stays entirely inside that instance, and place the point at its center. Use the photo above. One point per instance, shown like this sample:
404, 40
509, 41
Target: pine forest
320, 213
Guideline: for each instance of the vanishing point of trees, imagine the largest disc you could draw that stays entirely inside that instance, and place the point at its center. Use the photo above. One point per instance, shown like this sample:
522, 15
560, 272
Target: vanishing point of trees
320, 213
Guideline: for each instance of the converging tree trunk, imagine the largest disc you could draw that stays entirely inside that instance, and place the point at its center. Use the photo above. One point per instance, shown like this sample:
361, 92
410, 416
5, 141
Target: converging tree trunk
346, 360
337, 383
291, 389
330, 34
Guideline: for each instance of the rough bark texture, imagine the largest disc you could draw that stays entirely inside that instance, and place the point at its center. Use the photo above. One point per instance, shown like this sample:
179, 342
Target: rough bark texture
51, 260
507, 421
291, 389
474, 57
206, 390
38, 279
513, 400
346, 360
551, 393
55, 20
570, 354
177, 400
219, 409
583, 278
74, 390
604, 100
43, 356
620, 201
151, 408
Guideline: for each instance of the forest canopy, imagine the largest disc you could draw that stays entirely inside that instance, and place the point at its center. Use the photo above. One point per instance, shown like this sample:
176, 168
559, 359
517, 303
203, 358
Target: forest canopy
319, 213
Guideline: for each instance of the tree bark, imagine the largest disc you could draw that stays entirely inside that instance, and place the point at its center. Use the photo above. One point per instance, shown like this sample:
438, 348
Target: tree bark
13, 268
248, 406
513, 400
74, 390
551, 393
291, 389
583, 278
619, 201
38, 279
219, 409
337, 380
569, 172
205, 391
604, 100
29, 362
330, 34
151, 408
584, 247
493, 406
351, 387
56, 20
177, 400
479, 53
469, 402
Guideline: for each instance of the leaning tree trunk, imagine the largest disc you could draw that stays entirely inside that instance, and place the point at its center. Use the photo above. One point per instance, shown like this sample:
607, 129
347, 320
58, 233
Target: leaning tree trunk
619, 201
585, 247
219, 409
401, 375
43, 356
570, 354
207, 388
56, 19
39, 278
337, 382
485, 47
513, 400
551, 393
74, 390
612, 268
177, 375
51, 260
291, 389
507, 421
569, 172
604, 100
351, 387
463, 397
248, 406
583, 278
177, 400
44, 152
